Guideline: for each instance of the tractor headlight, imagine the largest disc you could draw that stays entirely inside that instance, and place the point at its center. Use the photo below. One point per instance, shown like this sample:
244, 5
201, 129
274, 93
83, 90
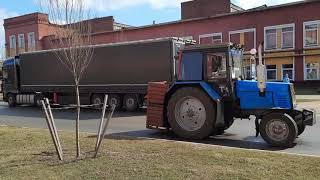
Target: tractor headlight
293, 96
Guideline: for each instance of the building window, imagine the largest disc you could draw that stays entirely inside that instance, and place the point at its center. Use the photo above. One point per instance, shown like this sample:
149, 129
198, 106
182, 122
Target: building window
215, 38
12, 42
312, 71
279, 37
187, 38
271, 39
287, 69
21, 43
245, 37
271, 72
31, 41
287, 37
311, 33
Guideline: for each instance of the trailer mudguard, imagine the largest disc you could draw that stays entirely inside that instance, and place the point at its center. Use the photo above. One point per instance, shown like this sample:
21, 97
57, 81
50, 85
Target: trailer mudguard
205, 86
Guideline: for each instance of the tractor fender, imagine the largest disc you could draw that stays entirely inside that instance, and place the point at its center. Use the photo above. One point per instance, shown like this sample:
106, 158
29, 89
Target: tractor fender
204, 86
212, 93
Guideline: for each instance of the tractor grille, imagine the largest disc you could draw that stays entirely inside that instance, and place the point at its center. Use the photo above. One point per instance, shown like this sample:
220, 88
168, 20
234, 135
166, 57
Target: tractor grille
293, 95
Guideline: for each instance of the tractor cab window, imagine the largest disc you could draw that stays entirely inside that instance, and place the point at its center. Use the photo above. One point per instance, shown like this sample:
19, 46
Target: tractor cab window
236, 58
216, 66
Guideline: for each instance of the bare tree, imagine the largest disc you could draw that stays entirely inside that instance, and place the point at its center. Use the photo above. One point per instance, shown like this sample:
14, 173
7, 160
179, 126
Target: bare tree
2, 52
72, 39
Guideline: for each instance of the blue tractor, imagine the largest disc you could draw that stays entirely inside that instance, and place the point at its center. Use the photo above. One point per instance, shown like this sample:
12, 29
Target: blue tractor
211, 90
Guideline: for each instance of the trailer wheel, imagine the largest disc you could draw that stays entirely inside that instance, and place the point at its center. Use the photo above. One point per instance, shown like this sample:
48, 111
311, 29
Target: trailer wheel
12, 100
191, 113
115, 100
97, 100
278, 130
37, 100
130, 102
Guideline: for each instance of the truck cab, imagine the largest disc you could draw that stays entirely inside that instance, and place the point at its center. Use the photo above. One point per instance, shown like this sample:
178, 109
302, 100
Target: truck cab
10, 84
211, 91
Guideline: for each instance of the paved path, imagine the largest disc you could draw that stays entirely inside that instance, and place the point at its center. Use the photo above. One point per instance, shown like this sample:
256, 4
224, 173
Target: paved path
133, 124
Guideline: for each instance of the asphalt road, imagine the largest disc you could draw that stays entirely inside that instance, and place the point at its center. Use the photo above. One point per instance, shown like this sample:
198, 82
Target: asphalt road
241, 134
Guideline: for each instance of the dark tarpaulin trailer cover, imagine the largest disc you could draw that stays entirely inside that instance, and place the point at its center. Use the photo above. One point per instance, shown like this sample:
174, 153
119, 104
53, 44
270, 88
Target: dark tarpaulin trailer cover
131, 64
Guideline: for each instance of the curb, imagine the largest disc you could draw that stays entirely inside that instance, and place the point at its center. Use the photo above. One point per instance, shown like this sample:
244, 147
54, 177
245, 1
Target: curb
189, 143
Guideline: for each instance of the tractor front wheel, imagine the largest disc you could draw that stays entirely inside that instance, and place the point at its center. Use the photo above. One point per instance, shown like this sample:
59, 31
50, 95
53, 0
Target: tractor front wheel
191, 113
278, 130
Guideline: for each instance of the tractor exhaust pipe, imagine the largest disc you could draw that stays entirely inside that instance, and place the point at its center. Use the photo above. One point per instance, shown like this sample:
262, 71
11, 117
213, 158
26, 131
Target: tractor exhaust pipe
261, 73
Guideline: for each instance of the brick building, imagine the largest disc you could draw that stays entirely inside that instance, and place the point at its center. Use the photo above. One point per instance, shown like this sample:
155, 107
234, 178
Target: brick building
290, 32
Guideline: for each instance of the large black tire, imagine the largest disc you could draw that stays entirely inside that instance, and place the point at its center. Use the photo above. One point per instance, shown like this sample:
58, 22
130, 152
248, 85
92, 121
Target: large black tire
196, 122
130, 102
37, 100
278, 130
12, 100
301, 129
97, 100
115, 99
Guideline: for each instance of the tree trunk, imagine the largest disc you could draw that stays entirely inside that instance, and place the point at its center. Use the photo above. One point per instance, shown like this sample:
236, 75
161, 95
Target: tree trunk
78, 120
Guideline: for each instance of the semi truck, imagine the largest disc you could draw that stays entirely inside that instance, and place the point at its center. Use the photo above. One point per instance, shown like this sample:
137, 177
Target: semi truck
121, 70
211, 91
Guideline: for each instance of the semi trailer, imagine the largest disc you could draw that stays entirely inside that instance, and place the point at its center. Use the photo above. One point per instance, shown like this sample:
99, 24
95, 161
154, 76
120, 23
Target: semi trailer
211, 91
121, 70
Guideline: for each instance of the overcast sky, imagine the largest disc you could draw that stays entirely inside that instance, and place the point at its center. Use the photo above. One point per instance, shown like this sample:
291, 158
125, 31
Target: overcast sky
132, 12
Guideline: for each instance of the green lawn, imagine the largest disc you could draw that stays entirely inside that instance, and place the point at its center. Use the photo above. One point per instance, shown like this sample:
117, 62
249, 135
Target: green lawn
29, 154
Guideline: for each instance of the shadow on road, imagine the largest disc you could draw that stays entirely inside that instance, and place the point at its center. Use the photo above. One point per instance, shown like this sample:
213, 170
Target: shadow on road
250, 142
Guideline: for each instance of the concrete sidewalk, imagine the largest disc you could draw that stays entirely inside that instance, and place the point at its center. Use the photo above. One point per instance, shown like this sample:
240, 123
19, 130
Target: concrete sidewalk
308, 97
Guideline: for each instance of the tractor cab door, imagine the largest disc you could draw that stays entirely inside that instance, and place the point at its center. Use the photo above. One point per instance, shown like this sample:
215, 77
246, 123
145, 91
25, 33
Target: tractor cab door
191, 66
224, 67
216, 68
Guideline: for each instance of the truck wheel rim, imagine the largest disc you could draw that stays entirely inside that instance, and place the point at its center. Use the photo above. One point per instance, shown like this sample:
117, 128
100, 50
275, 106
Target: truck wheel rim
277, 130
190, 113
113, 101
130, 103
97, 101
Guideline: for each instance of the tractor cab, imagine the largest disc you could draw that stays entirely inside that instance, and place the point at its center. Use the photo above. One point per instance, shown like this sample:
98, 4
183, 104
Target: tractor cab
219, 66
10, 71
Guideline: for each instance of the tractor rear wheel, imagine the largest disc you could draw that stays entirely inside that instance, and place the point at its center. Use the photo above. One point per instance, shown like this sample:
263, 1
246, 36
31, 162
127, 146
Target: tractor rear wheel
278, 130
191, 113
